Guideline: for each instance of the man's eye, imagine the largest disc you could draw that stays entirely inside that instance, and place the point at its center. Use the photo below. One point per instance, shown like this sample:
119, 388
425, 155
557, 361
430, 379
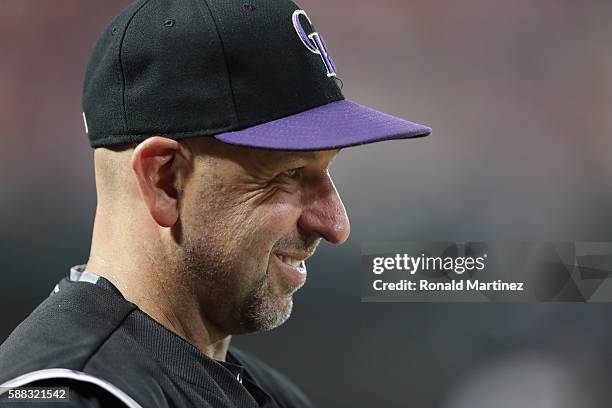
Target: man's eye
293, 173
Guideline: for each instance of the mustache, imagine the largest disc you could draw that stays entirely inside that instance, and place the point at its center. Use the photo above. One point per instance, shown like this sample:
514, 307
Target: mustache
298, 243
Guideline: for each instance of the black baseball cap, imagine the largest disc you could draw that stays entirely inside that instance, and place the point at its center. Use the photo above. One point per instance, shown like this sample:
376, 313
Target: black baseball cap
253, 73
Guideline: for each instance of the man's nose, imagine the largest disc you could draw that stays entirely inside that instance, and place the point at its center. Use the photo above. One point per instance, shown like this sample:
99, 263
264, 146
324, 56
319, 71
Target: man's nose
324, 214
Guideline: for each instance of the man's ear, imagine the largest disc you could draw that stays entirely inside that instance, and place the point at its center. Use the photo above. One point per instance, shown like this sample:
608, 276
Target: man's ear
152, 164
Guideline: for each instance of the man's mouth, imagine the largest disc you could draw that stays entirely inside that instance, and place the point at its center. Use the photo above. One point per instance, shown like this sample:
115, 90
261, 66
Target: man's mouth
292, 266
293, 262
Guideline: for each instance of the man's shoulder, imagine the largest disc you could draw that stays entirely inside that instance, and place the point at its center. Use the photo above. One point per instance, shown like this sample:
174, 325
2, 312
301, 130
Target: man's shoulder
74, 337
282, 389
65, 330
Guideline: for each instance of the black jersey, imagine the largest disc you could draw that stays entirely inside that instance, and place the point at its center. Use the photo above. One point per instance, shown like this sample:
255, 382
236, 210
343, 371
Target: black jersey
86, 336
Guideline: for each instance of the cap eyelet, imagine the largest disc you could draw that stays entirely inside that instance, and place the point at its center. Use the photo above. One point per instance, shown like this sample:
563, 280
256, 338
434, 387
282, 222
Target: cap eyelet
169, 22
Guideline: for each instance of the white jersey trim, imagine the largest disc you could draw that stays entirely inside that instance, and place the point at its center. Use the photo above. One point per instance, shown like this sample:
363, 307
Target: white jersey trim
50, 373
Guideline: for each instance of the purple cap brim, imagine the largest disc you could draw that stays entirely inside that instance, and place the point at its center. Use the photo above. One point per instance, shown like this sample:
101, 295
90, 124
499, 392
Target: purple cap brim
331, 126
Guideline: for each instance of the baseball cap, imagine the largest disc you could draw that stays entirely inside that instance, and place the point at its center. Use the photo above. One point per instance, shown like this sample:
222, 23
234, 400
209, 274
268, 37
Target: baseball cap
252, 73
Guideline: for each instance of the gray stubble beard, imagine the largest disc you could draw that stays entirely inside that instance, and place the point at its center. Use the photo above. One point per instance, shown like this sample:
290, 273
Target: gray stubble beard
260, 309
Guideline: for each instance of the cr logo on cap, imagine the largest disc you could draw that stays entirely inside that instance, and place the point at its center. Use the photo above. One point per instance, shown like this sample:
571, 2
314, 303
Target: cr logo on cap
314, 42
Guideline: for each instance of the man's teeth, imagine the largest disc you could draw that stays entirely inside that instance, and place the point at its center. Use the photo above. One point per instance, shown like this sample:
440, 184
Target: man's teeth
291, 261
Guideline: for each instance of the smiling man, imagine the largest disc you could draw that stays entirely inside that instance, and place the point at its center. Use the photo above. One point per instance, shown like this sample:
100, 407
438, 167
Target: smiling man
214, 124
208, 238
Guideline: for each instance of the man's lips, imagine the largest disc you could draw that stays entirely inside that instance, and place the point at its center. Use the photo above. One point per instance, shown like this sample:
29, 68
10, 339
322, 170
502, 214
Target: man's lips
293, 258
291, 263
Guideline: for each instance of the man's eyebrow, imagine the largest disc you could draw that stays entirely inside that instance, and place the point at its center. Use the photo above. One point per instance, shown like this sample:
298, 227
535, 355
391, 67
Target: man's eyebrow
294, 155
285, 158
299, 155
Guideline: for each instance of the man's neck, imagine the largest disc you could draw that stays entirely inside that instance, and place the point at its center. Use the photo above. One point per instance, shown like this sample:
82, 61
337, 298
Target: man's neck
174, 308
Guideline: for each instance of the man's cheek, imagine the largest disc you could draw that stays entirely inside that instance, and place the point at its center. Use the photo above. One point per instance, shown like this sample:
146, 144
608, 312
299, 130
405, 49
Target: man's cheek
282, 218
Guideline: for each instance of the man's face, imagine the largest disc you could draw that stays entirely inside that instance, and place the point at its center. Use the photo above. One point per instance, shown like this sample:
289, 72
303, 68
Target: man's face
248, 220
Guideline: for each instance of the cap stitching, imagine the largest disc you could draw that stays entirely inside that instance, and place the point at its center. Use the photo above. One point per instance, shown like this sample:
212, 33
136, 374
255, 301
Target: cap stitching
214, 129
227, 68
107, 140
127, 25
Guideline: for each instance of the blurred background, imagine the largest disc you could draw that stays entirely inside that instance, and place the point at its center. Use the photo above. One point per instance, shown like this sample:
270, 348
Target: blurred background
519, 94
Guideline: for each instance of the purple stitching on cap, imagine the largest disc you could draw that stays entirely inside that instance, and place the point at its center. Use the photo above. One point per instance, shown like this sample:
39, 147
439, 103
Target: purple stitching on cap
314, 42
329, 63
